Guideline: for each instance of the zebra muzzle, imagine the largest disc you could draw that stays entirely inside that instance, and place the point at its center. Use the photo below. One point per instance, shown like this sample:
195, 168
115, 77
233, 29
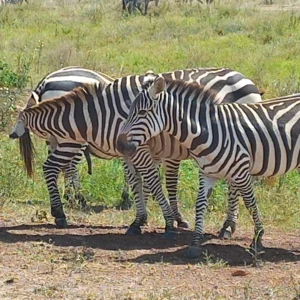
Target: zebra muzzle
13, 135
127, 148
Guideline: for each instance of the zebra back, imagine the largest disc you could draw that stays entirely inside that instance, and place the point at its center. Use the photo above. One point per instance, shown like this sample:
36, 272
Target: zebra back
66, 79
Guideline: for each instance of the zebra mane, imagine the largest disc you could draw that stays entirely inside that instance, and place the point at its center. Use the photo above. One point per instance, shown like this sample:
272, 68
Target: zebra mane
197, 90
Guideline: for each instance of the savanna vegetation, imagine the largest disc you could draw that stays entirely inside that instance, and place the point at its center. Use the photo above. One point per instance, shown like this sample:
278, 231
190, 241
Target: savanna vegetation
262, 42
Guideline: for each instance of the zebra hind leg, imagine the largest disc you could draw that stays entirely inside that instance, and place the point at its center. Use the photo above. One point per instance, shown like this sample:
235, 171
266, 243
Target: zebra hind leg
72, 186
57, 161
229, 225
172, 168
246, 191
50, 174
126, 199
205, 185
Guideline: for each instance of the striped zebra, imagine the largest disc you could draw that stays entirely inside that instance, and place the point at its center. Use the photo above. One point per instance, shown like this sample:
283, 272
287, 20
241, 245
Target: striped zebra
232, 141
4, 2
88, 115
133, 5
56, 84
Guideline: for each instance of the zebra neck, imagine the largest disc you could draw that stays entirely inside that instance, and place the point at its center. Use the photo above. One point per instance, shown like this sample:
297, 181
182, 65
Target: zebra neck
191, 122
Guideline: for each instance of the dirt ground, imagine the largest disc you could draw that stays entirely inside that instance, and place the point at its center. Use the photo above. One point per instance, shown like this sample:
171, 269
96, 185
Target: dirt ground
38, 261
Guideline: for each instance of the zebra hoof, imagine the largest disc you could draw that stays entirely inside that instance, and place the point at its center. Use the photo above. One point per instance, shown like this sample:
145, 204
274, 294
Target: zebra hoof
169, 235
193, 252
61, 222
256, 248
183, 224
133, 231
225, 234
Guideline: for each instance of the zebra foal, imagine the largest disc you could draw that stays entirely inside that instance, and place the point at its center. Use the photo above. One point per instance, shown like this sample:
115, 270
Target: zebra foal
231, 141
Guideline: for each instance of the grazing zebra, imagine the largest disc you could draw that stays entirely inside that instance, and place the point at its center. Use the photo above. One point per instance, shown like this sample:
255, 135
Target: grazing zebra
231, 141
54, 85
207, 1
94, 115
133, 5
4, 2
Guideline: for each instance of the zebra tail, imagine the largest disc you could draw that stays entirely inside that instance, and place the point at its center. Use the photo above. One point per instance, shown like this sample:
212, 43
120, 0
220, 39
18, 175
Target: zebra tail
88, 160
27, 152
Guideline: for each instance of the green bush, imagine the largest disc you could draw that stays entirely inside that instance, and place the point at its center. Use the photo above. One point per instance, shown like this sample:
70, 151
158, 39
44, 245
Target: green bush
11, 79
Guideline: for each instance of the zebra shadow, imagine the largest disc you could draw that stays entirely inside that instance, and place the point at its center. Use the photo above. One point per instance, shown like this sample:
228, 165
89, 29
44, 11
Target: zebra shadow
113, 238
97, 237
218, 255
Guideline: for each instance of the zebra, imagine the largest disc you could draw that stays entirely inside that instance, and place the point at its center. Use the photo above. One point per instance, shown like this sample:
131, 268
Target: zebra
133, 5
110, 108
4, 2
207, 1
233, 141
54, 85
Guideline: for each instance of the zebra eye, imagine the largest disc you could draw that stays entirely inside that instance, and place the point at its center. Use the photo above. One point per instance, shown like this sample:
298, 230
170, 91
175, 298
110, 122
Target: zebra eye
142, 112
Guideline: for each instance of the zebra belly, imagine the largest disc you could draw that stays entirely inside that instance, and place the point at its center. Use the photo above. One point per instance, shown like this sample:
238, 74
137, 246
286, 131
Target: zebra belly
101, 154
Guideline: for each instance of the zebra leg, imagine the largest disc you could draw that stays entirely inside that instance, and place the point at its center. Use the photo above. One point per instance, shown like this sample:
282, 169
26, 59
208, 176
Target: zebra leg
135, 181
146, 6
145, 165
72, 185
151, 179
172, 168
56, 161
126, 200
205, 185
70, 174
232, 214
244, 186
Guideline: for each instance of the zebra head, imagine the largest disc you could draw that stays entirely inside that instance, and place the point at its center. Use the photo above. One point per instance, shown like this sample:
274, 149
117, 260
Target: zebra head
145, 119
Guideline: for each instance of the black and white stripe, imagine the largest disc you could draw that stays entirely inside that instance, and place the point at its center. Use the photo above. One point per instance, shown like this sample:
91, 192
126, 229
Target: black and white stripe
95, 116
232, 141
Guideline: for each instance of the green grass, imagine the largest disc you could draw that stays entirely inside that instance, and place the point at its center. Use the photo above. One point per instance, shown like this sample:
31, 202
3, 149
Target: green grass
263, 45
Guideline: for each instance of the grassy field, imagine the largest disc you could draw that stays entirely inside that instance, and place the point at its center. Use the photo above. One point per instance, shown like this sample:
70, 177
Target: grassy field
262, 42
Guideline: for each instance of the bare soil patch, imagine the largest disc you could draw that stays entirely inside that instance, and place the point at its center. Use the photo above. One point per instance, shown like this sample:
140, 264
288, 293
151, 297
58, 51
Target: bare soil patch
39, 261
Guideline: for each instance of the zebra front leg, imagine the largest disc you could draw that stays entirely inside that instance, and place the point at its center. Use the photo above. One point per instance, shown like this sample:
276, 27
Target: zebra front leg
136, 183
56, 161
232, 214
151, 178
172, 168
205, 185
244, 186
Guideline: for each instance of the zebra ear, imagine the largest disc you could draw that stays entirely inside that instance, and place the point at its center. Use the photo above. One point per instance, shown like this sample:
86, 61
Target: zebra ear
157, 87
33, 100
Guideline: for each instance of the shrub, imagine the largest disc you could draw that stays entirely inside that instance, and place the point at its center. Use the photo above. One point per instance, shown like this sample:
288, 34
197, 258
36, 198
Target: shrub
11, 79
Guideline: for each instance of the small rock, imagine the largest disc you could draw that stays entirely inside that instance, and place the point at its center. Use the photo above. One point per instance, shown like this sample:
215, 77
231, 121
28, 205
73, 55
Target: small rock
239, 273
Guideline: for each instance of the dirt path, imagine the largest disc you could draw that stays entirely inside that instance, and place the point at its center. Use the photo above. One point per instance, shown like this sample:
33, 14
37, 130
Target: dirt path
39, 261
